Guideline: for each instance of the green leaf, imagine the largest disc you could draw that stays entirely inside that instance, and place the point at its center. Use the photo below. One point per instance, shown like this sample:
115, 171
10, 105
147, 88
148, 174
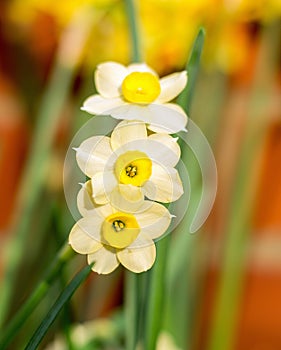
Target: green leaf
11, 330
238, 229
132, 309
56, 308
156, 295
133, 30
179, 278
35, 173
192, 67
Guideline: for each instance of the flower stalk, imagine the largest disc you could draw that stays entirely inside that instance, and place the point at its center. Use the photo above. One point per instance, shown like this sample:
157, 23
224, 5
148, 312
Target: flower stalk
56, 308
132, 281
36, 168
64, 255
230, 287
155, 295
134, 30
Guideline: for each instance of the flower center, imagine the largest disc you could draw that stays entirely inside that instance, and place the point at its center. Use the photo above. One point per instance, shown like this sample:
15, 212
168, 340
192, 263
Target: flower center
141, 87
133, 168
120, 229
118, 225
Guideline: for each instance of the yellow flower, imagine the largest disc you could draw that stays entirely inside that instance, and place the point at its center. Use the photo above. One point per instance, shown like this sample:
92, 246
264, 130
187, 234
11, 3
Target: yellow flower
131, 164
109, 237
136, 92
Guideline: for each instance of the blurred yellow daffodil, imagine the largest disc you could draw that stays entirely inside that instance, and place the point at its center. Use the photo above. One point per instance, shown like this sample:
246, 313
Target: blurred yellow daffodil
136, 92
109, 237
166, 49
131, 163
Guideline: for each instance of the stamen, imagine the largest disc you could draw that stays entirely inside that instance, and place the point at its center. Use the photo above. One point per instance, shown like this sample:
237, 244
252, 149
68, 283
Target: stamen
131, 170
133, 167
118, 225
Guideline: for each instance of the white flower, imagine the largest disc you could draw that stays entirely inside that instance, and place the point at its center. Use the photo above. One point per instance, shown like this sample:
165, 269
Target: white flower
136, 92
131, 164
165, 341
109, 237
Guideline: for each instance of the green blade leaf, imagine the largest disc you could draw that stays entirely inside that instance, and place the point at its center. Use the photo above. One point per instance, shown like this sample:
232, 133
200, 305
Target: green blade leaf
130, 6
177, 317
56, 308
192, 67
63, 256
156, 297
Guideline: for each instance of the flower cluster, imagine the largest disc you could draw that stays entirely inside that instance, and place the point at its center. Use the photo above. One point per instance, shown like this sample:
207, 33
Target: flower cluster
131, 171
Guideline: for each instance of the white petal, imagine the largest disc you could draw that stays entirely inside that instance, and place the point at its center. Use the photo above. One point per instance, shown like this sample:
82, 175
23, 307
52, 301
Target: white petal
103, 184
157, 151
137, 259
162, 153
140, 67
97, 104
127, 131
91, 225
106, 210
176, 108
81, 242
85, 202
109, 77
130, 111
171, 86
165, 341
161, 118
171, 144
171, 119
164, 184
154, 221
105, 260
93, 154
143, 240
127, 198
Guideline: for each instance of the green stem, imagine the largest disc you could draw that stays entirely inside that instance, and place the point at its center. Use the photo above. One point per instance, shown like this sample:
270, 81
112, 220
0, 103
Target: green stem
156, 295
192, 67
134, 30
132, 310
36, 169
178, 308
33, 180
133, 283
64, 255
239, 225
56, 308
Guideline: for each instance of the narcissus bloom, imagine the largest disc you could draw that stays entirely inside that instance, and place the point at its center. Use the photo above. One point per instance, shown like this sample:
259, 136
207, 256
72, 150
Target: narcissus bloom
136, 92
109, 237
133, 164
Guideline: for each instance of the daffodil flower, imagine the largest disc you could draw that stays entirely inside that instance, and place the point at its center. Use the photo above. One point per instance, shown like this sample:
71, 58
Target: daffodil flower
109, 237
131, 163
136, 92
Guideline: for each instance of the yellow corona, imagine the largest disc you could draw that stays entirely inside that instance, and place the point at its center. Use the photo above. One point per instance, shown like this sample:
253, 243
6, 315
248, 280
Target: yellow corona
141, 87
120, 229
133, 168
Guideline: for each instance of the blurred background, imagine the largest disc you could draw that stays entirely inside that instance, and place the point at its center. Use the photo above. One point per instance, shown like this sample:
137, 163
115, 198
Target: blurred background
225, 281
